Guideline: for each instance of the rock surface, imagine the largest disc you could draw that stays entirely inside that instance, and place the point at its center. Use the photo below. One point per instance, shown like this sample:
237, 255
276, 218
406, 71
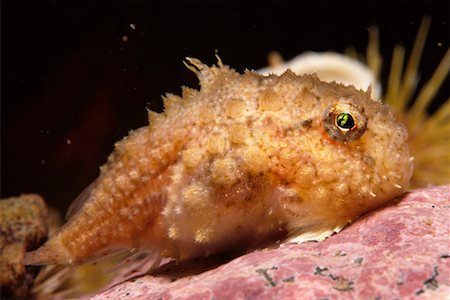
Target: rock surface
23, 226
399, 251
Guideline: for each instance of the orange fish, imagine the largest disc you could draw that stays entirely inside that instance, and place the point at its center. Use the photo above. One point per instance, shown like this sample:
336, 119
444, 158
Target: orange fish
244, 160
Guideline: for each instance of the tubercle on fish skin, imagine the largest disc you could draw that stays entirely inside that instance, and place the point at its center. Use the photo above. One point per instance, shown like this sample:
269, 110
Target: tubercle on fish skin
244, 156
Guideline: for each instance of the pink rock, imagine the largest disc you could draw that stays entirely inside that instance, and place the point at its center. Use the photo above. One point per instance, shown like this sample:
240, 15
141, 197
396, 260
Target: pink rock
399, 251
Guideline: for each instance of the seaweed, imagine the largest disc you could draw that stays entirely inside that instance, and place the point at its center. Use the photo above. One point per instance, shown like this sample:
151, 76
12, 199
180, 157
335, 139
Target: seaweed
358, 261
342, 284
431, 283
269, 279
289, 279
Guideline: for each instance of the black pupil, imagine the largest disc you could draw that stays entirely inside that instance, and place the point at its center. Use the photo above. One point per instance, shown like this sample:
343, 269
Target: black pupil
345, 121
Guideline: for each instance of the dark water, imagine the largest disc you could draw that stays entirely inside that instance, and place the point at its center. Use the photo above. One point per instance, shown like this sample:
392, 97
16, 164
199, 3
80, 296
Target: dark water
77, 77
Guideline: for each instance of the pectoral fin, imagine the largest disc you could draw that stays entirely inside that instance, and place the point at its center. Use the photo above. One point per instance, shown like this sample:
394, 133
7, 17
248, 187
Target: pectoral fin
63, 282
313, 234
76, 204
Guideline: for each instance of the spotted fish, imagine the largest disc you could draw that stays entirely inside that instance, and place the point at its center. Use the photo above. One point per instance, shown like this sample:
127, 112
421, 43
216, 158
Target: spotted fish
244, 160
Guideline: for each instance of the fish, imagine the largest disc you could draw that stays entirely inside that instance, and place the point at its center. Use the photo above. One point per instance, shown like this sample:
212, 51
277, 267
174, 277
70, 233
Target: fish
245, 159
422, 105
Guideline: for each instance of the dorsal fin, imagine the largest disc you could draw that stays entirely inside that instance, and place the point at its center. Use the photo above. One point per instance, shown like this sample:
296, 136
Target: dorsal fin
207, 75
76, 204
172, 103
188, 94
195, 65
154, 119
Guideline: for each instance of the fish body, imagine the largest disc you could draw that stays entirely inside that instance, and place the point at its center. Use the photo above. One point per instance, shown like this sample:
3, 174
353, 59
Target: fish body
245, 159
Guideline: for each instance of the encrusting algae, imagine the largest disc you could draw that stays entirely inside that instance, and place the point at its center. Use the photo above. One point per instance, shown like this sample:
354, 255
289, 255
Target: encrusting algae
245, 159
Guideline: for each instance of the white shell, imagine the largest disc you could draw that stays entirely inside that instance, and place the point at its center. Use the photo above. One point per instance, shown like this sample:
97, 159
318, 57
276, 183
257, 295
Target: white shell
330, 66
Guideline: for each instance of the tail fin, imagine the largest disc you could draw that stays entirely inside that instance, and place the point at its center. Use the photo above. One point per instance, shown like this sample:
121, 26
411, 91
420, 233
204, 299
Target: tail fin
51, 253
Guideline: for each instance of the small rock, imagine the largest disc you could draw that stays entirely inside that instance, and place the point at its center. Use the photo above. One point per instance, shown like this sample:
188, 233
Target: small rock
23, 226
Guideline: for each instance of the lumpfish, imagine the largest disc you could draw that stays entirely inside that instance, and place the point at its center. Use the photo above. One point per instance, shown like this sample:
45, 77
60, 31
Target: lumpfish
243, 160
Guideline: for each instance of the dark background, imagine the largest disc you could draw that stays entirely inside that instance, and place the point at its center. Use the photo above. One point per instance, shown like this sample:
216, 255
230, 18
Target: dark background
71, 85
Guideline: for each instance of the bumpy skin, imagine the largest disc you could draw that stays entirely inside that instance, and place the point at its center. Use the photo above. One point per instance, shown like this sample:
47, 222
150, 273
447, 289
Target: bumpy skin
244, 160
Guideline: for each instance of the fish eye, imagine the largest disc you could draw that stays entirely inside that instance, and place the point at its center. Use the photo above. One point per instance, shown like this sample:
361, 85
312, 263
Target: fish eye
345, 121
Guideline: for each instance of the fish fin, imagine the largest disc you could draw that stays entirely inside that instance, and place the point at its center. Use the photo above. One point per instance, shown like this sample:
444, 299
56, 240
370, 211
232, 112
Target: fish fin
82, 198
314, 234
208, 75
62, 282
51, 253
